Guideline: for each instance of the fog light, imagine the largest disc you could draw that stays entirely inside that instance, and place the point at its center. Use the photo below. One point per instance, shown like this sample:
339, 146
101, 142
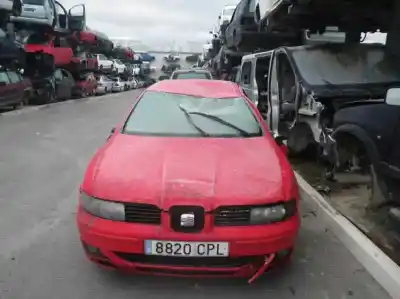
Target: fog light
92, 250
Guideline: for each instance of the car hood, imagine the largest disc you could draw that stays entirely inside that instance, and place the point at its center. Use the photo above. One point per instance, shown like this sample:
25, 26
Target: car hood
186, 171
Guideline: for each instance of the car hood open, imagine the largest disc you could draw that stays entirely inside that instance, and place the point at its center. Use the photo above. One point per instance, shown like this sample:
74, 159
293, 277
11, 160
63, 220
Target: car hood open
186, 171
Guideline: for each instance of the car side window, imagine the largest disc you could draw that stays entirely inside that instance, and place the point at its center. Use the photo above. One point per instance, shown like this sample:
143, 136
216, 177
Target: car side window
13, 77
65, 74
58, 75
246, 73
4, 78
64, 43
238, 10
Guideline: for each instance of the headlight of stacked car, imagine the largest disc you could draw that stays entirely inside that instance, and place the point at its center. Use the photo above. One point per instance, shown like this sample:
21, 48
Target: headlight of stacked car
103, 208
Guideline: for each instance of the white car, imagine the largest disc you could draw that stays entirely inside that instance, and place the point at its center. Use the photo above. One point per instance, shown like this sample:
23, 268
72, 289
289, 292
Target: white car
226, 16
118, 85
104, 63
104, 85
14, 6
132, 83
136, 70
172, 57
118, 66
41, 12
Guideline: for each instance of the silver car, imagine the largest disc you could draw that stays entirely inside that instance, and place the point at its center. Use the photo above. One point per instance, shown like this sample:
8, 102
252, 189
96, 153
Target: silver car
118, 85
104, 85
39, 12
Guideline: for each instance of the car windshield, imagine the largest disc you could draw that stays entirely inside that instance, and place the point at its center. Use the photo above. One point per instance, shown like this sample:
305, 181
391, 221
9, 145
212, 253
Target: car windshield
168, 114
37, 39
33, 2
118, 61
192, 75
228, 12
341, 65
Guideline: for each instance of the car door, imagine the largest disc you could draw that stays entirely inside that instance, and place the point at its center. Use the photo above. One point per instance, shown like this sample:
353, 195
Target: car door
62, 50
68, 84
274, 109
246, 79
59, 78
77, 18
5, 89
15, 87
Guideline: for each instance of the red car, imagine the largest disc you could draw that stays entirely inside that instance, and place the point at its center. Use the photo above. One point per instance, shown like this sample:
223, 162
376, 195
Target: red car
191, 183
86, 86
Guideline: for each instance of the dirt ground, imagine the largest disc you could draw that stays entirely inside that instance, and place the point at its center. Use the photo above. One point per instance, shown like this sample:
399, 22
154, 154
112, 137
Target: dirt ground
351, 200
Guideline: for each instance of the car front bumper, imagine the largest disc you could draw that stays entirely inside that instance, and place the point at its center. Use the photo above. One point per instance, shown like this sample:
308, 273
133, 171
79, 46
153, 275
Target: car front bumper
252, 249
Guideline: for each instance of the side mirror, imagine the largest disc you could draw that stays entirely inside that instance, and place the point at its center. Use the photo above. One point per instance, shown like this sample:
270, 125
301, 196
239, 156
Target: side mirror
111, 133
3, 83
393, 97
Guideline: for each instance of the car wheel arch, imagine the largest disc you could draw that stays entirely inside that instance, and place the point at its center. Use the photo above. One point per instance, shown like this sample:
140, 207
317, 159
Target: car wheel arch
360, 135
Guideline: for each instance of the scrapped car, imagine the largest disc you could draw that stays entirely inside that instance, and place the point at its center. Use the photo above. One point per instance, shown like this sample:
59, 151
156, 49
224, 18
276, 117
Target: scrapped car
86, 86
132, 83
56, 46
83, 61
332, 96
225, 18
104, 63
242, 30
48, 89
172, 57
118, 66
146, 57
13, 6
104, 85
190, 183
118, 85
170, 68
192, 74
12, 89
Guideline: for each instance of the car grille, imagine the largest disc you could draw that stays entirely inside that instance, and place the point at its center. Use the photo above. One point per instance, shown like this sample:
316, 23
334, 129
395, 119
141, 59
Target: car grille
230, 216
142, 213
189, 261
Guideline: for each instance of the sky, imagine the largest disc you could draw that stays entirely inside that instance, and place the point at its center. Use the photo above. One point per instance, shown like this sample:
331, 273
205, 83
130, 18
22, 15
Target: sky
158, 25
155, 23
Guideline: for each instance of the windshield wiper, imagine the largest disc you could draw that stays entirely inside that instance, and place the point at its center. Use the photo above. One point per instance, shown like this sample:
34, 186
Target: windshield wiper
190, 120
222, 121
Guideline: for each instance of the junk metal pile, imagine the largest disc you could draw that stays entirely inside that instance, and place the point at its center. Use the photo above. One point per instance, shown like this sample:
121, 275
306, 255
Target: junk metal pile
48, 53
326, 93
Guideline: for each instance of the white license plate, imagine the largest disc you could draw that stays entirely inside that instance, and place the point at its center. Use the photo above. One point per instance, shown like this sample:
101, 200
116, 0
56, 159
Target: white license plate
193, 249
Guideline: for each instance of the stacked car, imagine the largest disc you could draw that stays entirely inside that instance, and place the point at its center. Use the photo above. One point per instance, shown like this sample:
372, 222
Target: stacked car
43, 43
318, 85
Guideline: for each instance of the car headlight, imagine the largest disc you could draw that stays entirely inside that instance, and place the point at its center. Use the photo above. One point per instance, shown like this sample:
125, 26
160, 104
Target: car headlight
272, 213
102, 208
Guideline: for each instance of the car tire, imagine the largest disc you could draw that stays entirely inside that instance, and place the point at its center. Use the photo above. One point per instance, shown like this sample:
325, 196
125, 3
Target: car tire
84, 94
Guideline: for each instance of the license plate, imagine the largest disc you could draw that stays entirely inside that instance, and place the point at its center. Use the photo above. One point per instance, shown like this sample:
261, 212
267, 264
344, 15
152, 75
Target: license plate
192, 249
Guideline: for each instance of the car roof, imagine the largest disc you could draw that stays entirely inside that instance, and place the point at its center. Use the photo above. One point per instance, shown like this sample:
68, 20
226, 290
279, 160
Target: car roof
191, 71
198, 88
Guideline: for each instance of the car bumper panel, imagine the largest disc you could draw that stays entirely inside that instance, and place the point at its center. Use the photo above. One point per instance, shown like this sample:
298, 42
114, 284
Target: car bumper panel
250, 256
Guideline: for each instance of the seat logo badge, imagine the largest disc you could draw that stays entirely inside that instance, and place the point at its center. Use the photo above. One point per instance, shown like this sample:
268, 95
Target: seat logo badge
187, 220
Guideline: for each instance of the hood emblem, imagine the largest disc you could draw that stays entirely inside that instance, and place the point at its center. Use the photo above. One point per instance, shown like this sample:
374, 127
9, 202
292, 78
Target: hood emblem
187, 220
